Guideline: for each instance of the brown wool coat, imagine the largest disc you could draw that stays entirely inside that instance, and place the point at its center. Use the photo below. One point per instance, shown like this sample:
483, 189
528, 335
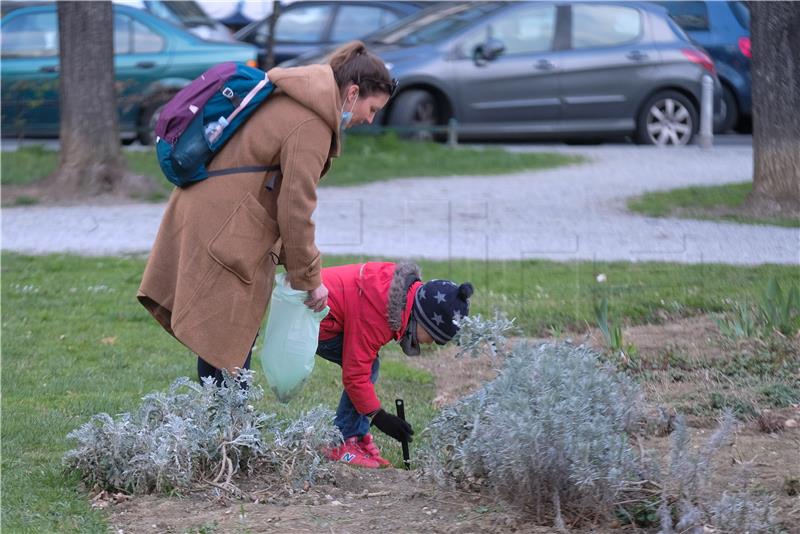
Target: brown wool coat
209, 276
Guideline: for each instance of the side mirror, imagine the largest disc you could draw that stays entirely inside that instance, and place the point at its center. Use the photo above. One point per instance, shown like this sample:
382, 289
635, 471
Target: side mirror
488, 51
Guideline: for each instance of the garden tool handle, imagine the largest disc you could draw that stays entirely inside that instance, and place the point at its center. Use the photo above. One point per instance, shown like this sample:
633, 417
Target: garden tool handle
401, 413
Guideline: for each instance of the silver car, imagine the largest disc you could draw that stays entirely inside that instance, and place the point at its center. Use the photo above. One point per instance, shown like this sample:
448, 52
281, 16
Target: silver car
545, 70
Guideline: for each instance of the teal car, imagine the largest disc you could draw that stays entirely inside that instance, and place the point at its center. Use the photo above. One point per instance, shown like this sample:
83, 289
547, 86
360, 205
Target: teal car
153, 60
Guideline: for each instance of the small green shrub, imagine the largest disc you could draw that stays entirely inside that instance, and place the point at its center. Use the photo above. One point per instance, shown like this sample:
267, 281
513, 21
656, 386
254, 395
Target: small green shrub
739, 323
777, 312
780, 395
612, 334
781, 311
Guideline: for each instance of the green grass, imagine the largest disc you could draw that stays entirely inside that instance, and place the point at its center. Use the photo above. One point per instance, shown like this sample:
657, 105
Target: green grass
371, 158
704, 203
364, 159
75, 342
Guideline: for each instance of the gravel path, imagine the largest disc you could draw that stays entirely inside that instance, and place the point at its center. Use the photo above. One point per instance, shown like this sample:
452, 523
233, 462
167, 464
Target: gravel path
569, 213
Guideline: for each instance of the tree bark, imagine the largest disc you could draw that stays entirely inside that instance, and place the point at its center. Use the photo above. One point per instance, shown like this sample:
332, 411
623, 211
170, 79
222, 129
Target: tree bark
91, 160
775, 32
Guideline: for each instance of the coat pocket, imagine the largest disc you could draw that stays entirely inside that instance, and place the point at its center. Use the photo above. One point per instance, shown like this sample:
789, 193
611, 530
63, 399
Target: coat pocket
244, 240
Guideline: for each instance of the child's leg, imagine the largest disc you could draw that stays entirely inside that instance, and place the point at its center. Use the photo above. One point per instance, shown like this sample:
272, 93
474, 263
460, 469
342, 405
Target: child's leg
348, 420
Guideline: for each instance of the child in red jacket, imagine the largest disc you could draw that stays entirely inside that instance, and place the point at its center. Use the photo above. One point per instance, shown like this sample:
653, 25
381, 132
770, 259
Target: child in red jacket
372, 304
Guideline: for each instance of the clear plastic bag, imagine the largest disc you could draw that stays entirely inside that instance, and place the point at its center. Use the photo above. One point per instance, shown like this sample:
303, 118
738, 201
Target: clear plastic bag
290, 340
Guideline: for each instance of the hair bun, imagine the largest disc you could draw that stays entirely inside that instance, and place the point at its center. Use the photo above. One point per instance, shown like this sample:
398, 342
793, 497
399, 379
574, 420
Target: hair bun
465, 291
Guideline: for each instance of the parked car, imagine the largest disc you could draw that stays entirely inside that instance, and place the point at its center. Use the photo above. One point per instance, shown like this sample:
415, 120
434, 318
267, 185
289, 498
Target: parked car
545, 70
305, 26
722, 29
153, 60
186, 13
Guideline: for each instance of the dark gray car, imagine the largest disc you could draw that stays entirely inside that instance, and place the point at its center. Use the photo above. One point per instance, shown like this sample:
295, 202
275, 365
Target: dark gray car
546, 70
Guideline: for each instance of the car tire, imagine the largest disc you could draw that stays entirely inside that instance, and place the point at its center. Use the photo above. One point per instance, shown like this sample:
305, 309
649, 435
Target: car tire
730, 112
149, 118
412, 113
668, 118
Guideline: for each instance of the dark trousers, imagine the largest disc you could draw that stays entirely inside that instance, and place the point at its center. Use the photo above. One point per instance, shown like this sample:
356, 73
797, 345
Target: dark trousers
206, 369
349, 421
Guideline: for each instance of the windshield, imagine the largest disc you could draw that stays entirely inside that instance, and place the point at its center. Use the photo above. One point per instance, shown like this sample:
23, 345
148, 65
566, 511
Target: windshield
434, 24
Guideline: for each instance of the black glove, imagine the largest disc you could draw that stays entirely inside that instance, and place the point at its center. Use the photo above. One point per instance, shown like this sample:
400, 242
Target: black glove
393, 426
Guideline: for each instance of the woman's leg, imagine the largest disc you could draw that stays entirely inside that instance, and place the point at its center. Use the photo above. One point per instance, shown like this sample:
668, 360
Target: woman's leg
206, 369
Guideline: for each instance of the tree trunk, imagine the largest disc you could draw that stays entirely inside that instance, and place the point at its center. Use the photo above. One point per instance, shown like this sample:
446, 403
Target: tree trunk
775, 31
91, 159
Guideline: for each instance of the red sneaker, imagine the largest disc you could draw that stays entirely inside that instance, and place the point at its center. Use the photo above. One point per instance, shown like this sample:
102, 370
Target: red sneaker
368, 444
350, 452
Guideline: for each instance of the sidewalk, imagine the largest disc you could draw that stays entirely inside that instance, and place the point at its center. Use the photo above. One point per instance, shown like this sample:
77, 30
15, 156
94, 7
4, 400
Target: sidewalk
569, 213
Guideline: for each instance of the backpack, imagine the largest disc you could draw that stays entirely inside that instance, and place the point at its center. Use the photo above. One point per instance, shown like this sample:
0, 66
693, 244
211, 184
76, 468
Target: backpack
221, 99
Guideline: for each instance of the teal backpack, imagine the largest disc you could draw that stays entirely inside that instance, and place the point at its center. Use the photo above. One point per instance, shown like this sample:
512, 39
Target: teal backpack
203, 116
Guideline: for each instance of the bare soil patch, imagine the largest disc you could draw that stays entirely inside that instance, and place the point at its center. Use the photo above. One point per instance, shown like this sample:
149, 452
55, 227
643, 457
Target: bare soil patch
394, 500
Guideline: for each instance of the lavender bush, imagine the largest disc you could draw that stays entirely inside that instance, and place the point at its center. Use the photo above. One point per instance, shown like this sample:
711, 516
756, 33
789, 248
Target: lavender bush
193, 433
549, 432
552, 435
476, 333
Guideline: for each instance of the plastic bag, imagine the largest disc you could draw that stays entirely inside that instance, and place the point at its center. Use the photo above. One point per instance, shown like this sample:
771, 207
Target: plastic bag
290, 340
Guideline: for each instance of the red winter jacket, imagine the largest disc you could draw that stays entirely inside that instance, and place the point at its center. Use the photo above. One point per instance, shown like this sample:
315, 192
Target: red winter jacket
370, 304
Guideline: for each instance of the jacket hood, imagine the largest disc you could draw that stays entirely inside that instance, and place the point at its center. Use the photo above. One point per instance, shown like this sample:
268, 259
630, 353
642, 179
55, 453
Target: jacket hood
397, 308
314, 87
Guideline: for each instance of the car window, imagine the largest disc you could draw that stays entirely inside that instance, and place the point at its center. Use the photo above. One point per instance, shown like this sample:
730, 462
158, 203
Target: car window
302, 25
691, 16
354, 21
527, 30
742, 13
432, 25
30, 35
145, 40
122, 34
598, 26
184, 13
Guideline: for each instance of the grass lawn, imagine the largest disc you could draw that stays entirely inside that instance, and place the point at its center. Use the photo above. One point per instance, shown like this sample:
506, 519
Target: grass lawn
703, 203
75, 342
364, 159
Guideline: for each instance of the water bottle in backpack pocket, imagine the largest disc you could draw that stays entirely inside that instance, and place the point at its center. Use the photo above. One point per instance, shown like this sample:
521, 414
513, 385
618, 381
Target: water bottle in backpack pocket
197, 122
290, 340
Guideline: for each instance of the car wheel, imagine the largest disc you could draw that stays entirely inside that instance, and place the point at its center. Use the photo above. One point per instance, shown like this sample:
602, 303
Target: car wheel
414, 113
667, 118
729, 111
148, 121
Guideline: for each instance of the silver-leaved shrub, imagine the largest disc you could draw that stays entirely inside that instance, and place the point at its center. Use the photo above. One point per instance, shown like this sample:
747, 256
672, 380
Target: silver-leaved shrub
549, 433
193, 433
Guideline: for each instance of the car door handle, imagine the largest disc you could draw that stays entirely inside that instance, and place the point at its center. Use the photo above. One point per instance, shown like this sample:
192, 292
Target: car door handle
544, 64
145, 64
49, 68
635, 55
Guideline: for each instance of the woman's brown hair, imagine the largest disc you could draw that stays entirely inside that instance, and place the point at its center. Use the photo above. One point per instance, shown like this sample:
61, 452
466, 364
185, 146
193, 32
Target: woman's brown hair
353, 63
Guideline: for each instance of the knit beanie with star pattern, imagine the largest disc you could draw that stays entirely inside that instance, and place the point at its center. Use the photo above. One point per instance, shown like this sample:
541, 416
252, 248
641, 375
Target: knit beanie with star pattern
439, 305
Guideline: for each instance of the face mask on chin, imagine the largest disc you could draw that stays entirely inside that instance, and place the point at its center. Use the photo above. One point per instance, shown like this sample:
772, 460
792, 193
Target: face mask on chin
347, 116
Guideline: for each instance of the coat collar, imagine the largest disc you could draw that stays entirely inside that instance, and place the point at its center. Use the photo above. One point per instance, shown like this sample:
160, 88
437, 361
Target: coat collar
314, 87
